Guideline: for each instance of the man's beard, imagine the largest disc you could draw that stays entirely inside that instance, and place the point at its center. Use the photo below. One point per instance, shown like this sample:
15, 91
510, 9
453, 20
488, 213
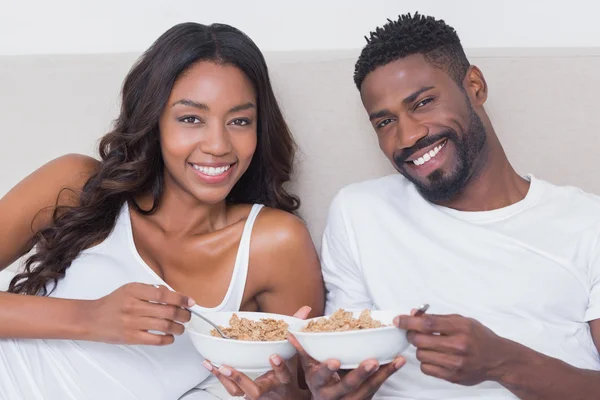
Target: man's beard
443, 186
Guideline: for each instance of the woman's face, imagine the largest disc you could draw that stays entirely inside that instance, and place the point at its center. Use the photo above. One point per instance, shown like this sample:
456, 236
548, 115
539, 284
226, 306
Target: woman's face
208, 130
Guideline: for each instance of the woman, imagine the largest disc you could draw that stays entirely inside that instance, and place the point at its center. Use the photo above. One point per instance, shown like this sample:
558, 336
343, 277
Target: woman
176, 202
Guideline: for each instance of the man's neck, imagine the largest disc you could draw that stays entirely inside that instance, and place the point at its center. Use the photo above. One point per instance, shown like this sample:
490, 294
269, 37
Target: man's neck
494, 185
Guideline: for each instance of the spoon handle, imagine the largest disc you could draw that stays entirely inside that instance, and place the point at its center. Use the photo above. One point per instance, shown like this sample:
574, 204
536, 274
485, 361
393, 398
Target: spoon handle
421, 310
196, 313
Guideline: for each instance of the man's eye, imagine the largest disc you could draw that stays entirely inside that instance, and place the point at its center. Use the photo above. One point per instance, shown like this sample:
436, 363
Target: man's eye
424, 102
384, 123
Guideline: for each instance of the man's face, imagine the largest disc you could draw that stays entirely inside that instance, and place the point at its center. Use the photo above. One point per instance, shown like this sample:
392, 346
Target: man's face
425, 124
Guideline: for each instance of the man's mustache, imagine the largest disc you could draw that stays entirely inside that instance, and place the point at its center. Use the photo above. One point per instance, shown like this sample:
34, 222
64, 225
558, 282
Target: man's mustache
401, 156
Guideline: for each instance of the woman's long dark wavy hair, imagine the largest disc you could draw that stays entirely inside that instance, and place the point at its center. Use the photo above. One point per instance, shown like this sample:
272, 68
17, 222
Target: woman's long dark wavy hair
131, 160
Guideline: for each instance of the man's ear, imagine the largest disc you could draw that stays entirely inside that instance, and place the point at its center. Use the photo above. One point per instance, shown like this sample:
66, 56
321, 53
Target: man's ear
475, 86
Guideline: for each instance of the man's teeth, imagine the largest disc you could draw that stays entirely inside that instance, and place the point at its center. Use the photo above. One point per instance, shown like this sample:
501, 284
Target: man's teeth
428, 156
211, 170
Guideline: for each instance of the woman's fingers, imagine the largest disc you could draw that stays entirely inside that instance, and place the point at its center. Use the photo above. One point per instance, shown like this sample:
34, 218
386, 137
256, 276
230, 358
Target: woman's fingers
303, 312
227, 383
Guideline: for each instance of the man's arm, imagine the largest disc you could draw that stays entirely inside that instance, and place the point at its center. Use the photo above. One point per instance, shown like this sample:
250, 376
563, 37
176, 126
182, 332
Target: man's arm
464, 351
531, 375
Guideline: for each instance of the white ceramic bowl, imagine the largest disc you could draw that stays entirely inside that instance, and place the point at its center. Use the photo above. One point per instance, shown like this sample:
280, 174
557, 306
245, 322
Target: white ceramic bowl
353, 347
245, 356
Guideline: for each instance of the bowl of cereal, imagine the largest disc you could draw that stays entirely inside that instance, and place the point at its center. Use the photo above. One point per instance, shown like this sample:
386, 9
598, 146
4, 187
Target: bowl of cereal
351, 337
253, 338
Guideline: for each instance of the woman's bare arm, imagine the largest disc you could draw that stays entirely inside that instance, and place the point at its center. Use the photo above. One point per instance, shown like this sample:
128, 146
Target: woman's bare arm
283, 252
20, 219
21, 215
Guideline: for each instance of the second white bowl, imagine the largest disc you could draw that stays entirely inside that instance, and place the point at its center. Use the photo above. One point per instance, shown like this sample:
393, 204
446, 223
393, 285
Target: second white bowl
353, 347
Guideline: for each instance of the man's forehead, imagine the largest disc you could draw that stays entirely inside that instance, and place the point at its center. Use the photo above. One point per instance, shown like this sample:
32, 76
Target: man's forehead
408, 73
400, 78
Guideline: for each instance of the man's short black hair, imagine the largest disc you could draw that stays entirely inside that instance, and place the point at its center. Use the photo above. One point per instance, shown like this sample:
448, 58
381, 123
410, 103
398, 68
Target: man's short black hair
417, 34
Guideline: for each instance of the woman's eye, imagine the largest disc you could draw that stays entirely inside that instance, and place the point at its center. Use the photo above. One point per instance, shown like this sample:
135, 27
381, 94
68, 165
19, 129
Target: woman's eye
190, 120
240, 122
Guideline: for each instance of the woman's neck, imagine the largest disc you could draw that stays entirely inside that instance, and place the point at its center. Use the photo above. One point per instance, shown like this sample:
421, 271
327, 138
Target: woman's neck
181, 214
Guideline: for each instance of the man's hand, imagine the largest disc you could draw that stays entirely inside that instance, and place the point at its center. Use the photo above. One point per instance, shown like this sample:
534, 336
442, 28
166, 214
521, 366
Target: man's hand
325, 383
454, 348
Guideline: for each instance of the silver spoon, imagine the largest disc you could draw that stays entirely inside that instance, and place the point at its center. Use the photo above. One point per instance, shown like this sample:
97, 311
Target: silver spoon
196, 313
219, 331
421, 310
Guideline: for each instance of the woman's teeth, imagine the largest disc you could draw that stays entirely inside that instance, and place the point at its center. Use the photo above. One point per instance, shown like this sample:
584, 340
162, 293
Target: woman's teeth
428, 156
212, 171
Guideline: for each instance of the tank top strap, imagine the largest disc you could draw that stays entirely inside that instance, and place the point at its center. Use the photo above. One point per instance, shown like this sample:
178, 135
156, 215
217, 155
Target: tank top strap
240, 274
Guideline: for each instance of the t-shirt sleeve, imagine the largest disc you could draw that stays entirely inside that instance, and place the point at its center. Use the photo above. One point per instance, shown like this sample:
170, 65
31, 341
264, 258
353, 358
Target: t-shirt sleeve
339, 261
593, 310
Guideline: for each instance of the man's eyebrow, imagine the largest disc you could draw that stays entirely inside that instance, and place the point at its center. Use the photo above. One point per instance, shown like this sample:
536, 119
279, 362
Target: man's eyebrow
379, 114
416, 94
409, 99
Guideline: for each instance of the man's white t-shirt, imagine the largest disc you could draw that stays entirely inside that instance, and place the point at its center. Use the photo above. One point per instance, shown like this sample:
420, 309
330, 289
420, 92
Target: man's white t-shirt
530, 271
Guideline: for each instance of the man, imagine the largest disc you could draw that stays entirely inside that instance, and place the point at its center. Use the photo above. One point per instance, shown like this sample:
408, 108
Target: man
510, 264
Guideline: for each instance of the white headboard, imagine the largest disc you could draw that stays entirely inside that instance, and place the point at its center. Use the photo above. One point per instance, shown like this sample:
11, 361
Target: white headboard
543, 104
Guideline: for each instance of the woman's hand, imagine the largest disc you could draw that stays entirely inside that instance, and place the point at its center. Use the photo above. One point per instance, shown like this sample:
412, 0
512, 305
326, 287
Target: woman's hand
277, 384
280, 383
127, 315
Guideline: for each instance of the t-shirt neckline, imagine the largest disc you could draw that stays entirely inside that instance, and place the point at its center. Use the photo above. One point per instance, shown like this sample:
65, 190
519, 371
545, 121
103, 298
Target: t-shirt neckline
531, 198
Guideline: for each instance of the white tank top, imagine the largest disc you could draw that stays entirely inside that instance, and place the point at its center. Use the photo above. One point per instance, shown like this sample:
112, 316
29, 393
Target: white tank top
81, 370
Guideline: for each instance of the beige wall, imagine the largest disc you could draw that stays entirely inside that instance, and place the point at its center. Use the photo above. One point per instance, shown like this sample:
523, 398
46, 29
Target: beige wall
543, 104
116, 26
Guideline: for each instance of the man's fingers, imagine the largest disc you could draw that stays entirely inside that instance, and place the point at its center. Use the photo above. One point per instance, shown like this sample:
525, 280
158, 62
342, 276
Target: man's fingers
428, 323
436, 371
303, 312
447, 361
441, 343
375, 381
281, 370
352, 380
320, 375
305, 360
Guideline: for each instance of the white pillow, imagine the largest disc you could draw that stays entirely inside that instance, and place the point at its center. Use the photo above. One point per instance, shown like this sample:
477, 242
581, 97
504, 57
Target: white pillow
5, 277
